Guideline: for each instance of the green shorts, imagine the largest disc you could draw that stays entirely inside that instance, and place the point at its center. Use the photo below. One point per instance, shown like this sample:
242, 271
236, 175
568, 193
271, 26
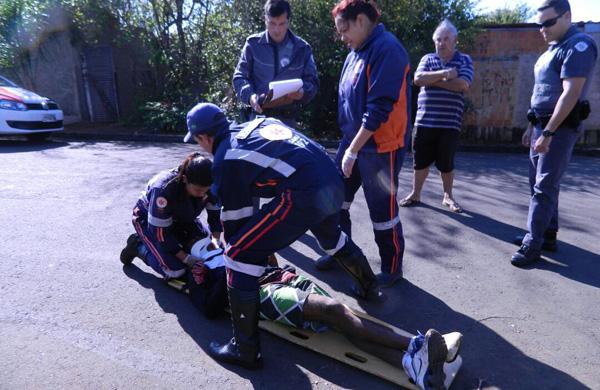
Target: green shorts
283, 302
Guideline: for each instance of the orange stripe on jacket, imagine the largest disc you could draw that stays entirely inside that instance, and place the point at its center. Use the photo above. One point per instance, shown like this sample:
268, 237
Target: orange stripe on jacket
390, 134
262, 221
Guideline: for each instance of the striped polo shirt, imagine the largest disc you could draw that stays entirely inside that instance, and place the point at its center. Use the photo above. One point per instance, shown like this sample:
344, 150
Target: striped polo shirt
438, 107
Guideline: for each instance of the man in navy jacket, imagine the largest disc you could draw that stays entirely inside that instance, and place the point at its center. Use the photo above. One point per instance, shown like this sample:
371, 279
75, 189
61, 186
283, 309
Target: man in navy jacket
265, 158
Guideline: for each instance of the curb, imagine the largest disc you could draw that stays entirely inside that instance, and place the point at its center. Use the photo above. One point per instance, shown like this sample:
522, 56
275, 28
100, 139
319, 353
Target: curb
178, 138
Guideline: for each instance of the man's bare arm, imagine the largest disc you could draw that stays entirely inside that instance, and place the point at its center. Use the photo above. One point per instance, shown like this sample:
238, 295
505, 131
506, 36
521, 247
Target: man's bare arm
572, 88
426, 79
455, 85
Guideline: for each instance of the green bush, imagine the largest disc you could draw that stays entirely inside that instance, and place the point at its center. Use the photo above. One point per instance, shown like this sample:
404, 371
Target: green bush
164, 117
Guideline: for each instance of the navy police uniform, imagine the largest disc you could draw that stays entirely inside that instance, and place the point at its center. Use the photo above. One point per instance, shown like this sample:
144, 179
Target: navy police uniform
573, 56
263, 61
165, 218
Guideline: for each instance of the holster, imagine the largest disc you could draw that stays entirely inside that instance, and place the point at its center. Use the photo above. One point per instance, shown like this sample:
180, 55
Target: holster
578, 114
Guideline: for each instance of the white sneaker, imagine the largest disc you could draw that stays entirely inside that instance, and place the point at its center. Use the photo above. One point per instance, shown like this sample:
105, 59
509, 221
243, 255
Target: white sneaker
424, 360
453, 341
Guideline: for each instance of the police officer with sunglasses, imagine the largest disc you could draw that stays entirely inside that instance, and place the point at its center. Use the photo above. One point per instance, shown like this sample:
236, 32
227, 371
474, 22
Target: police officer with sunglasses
558, 106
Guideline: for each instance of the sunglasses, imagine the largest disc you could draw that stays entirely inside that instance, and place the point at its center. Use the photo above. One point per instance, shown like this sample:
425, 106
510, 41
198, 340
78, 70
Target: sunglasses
550, 22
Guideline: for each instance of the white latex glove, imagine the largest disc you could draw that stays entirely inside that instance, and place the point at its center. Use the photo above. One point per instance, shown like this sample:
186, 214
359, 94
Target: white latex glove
348, 162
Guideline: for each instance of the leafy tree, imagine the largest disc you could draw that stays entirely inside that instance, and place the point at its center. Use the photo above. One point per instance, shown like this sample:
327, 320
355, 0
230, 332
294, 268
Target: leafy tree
192, 46
520, 13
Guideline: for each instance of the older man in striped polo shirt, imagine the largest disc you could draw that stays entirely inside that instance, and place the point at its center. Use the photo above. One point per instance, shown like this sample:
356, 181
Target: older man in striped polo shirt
444, 77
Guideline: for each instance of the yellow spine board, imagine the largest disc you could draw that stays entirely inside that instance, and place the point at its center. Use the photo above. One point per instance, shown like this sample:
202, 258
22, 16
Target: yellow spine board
337, 346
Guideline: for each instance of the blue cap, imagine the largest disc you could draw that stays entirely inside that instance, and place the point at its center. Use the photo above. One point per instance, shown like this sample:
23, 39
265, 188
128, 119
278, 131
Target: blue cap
204, 118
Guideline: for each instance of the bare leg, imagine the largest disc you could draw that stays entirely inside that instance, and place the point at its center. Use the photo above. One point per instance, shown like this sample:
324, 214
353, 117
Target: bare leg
371, 337
447, 182
418, 181
331, 312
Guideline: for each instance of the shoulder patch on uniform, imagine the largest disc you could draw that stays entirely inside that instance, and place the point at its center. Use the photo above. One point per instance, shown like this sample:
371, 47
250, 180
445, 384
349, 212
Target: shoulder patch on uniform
245, 132
581, 46
161, 202
276, 132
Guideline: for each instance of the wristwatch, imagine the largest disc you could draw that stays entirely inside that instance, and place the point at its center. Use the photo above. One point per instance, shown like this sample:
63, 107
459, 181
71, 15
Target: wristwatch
547, 133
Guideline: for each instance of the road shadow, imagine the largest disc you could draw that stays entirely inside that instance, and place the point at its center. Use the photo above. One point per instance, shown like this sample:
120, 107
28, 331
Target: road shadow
25, 146
279, 355
130, 145
499, 363
570, 261
573, 263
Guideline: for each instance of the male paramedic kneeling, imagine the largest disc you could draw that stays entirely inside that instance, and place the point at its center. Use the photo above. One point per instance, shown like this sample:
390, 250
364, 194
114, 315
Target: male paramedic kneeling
265, 158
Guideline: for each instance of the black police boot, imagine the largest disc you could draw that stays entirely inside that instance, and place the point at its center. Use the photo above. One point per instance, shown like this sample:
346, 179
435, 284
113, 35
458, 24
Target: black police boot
325, 263
525, 256
130, 251
354, 262
549, 243
244, 348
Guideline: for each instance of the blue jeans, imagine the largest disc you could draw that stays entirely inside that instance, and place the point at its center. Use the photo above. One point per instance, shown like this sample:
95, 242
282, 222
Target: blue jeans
545, 173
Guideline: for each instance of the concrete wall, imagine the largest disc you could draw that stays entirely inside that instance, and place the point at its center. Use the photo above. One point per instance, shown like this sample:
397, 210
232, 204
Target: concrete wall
52, 72
497, 103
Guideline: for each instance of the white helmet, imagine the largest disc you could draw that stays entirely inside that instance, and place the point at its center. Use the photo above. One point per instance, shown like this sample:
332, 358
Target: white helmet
213, 258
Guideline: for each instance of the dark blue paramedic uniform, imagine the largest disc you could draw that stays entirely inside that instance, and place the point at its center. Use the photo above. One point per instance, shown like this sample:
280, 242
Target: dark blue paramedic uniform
374, 93
265, 158
164, 217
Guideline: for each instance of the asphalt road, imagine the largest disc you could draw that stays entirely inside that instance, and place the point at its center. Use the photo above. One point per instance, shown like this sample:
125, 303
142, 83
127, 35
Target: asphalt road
72, 318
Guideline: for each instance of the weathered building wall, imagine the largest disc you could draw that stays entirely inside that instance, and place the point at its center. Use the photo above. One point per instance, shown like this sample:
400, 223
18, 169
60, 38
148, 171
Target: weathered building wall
52, 72
497, 103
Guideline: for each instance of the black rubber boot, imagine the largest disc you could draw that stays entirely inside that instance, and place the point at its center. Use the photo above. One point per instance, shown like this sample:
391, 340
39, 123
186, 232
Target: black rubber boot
354, 262
130, 251
244, 348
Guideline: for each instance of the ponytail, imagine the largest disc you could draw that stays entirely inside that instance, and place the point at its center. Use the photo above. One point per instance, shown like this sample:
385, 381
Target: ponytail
197, 169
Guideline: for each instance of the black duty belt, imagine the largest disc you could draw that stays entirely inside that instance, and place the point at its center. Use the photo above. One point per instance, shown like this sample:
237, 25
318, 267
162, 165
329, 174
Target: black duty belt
579, 113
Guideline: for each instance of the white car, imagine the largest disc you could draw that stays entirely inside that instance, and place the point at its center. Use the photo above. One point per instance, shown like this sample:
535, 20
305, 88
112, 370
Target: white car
23, 112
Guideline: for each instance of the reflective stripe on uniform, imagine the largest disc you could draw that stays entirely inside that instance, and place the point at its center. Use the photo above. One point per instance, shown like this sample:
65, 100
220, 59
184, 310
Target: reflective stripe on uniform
159, 222
234, 215
248, 269
261, 160
174, 274
340, 244
387, 224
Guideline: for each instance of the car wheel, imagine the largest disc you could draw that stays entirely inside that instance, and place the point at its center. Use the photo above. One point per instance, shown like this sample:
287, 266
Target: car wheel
38, 137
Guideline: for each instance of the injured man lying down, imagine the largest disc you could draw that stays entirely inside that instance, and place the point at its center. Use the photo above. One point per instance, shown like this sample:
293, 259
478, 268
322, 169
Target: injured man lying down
296, 301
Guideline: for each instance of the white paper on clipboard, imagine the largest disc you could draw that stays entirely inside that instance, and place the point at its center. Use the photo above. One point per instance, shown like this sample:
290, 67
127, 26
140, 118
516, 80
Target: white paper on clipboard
283, 87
